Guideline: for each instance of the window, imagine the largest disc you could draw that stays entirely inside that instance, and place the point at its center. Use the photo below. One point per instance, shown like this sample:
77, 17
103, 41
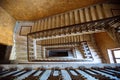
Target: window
116, 55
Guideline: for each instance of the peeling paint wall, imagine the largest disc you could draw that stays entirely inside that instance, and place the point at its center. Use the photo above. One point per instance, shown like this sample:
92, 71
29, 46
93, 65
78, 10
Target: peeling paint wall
7, 23
104, 42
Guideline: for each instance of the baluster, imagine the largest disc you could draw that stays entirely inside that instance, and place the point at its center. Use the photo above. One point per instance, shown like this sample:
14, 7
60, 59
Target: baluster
39, 25
33, 28
46, 25
81, 37
56, 42
42, 25
83, 28
50, 41
79, 28
63, 39
57, 21
74, 29
49, 22
53, 22
72, 39
67, 40
36, 28
47, 42
53, 41
75, 38
69, 30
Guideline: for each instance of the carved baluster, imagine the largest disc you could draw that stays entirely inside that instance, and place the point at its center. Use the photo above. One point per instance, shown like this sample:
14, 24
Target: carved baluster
79, 28
72, 39
39, 25
64, 31
79, 38
50, 23
42, 24
58, 21
56, 42
74, 29
75, 37
50, 41
45, 23
53, 22
69, 30
84, 28
33, 28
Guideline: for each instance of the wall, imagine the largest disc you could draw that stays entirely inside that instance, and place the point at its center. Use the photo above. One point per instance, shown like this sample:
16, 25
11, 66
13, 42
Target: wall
104, 42
7, 23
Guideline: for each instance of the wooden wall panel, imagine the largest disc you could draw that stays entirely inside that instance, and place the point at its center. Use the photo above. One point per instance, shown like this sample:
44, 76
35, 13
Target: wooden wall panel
99, 11
82, 15
93, 13
67, 19
87, 14
77, 16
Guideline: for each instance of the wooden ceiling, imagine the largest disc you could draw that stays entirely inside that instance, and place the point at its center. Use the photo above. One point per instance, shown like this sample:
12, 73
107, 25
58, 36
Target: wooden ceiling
36, 9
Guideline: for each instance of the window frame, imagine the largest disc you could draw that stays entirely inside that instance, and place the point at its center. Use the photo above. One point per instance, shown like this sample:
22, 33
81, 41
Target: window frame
114, 58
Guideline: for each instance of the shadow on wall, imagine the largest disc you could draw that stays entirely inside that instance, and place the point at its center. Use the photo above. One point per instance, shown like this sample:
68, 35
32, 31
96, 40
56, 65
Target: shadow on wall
5, 51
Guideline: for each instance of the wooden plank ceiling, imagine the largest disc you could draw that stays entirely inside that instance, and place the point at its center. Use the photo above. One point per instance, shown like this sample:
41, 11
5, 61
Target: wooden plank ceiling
36, 9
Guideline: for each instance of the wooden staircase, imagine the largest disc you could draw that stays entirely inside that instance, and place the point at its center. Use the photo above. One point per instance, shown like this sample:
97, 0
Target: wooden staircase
66, 28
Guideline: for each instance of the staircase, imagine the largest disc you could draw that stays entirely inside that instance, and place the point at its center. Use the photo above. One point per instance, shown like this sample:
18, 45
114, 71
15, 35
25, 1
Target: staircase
21, 48
65, 28
77, 16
